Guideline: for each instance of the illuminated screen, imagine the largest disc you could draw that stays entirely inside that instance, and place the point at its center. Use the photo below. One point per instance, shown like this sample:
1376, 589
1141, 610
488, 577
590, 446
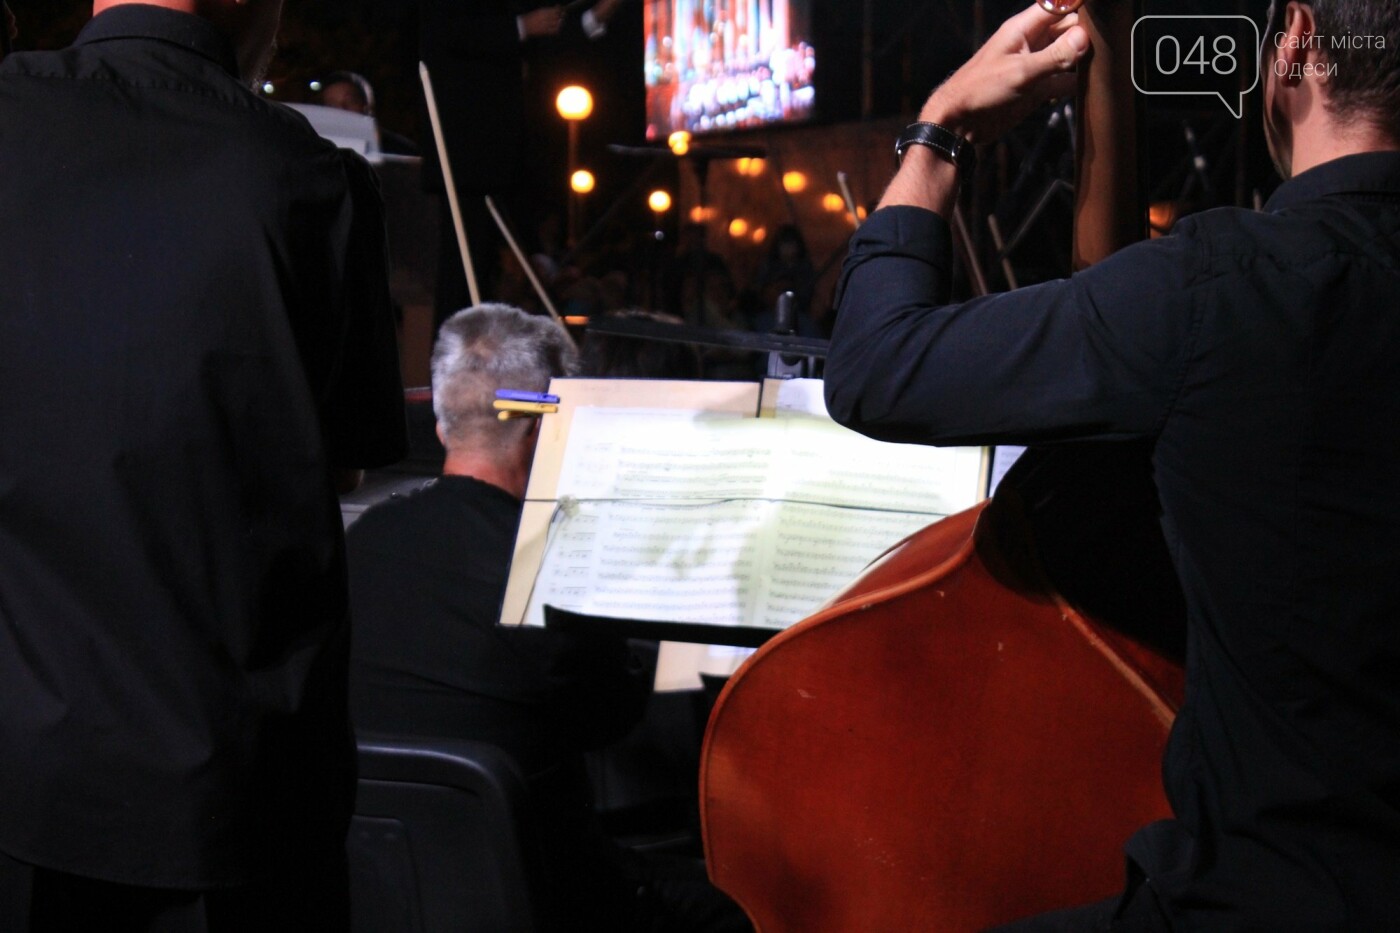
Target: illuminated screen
715, 65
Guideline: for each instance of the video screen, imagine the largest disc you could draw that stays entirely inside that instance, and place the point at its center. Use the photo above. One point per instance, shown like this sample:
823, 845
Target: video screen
716, 65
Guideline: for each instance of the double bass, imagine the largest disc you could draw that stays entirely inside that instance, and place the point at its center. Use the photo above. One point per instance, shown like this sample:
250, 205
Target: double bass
968, 734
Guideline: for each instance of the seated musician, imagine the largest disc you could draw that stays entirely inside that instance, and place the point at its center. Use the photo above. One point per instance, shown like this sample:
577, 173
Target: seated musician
1260, 351
348, 90
427, 576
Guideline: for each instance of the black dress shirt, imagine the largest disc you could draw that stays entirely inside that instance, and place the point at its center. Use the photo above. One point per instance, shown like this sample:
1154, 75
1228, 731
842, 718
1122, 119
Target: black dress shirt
194, 328
1260, 351
428, 573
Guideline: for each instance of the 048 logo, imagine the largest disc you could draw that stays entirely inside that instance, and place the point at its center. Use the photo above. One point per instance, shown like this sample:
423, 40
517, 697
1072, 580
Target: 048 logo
1195, 56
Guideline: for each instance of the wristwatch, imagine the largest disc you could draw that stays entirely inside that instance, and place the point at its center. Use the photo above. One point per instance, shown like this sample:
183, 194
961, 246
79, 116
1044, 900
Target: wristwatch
941, 140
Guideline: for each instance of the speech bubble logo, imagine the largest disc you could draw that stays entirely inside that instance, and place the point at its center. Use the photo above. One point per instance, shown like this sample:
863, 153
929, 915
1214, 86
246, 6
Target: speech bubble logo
1210, 56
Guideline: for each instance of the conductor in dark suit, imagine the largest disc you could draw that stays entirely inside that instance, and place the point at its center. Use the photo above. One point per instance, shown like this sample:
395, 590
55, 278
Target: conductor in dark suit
476, 53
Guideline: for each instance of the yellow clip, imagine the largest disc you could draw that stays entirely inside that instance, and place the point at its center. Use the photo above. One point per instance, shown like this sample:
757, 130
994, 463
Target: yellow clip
508, 409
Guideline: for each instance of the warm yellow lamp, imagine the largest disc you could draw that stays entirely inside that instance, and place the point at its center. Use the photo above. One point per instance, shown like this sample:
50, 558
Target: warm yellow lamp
582, 181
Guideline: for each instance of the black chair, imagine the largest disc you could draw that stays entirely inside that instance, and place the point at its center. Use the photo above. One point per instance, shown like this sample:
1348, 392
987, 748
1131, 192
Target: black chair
441, 840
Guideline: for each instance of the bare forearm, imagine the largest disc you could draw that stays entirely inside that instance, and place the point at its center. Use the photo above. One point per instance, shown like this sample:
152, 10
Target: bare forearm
925, 180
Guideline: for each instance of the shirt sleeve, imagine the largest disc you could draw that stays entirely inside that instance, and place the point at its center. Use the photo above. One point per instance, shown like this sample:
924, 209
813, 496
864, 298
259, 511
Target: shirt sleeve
1100, 355
362, 411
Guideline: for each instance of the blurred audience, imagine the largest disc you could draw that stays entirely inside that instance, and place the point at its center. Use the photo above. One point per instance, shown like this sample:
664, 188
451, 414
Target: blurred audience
786, 268
606, 355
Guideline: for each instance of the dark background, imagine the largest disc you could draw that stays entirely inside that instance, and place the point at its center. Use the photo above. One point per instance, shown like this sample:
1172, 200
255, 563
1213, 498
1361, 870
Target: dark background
872, 75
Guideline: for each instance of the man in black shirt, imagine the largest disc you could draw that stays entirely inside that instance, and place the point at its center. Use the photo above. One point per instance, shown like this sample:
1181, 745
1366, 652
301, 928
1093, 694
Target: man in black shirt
428, 573
1260, 352
195, 332
427, 577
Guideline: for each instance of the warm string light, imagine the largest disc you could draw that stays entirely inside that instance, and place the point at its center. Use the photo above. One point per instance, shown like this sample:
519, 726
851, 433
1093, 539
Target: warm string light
574, 103
750, 168
794, 182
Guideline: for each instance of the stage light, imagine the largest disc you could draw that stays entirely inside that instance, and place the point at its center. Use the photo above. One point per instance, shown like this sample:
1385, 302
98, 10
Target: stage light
269, 88
833, 202
582, 181
574, 103
738, 227
316, 86
659, 201
759, 235
679, 142
794, 182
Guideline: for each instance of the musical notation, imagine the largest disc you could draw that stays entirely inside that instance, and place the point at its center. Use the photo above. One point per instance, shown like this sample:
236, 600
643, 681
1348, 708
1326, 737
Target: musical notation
732, 521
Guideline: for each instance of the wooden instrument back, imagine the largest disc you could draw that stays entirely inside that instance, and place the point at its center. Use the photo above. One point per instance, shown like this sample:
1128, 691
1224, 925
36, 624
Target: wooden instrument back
916, 755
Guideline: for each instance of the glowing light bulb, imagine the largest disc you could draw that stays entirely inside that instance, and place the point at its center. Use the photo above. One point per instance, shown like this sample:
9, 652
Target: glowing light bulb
794, 182
574, 103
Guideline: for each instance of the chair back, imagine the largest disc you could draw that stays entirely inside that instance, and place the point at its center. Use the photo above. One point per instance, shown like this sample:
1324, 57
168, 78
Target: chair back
441, 840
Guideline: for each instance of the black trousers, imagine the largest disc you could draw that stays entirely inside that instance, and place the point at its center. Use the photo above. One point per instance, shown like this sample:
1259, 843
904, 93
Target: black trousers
41, 900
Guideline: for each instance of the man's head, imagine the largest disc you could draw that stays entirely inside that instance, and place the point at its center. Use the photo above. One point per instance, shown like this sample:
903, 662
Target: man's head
479, 351
346, 90
251, 25
1331, 79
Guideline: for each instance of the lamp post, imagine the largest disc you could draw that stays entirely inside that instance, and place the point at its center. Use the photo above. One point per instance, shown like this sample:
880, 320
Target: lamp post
574, 104
660, 202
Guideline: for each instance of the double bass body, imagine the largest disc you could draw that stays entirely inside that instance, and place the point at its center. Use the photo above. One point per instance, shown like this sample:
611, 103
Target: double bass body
945, 746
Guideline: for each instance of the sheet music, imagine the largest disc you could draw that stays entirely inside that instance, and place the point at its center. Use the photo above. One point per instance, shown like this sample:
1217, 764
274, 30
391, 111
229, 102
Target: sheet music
673, 516
1002, 461
628, 453
730, 562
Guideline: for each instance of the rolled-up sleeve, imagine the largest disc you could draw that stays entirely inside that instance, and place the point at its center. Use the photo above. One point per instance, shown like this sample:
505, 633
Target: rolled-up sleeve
1100, 355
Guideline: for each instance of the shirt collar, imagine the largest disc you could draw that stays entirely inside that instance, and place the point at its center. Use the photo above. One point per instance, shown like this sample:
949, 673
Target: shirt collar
1364, 173
142, 21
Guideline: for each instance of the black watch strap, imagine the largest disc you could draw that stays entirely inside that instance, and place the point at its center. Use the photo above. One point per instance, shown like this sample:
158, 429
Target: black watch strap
941, 140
